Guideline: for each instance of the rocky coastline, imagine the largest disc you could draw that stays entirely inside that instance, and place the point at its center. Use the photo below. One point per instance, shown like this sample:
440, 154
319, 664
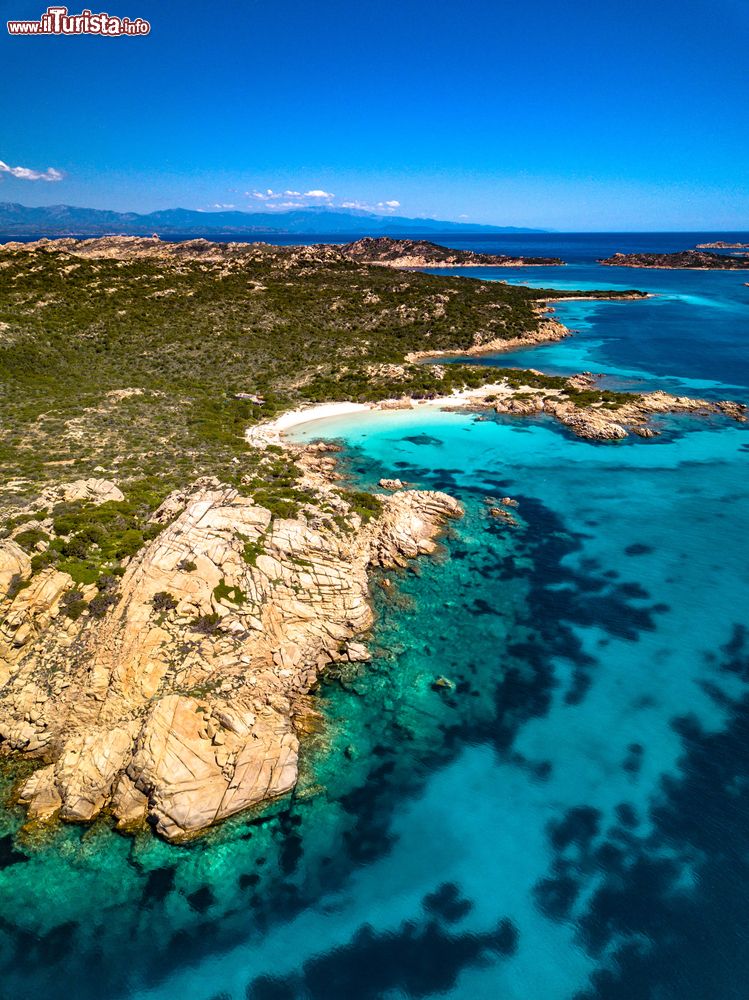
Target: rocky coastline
578, 402
160, 647
184, 702
548, 331
607, 419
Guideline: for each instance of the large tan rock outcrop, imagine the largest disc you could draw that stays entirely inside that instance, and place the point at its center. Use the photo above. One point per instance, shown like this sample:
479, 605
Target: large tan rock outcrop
178, 705
195, 771
92, 490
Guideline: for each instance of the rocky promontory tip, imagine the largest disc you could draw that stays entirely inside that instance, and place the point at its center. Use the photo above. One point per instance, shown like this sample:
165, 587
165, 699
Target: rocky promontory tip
182, 701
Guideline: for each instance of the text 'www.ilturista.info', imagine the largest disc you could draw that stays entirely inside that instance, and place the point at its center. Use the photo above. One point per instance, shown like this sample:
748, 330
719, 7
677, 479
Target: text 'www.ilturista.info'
57, 21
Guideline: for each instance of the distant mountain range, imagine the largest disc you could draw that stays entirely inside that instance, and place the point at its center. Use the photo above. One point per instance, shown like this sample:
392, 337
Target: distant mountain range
66, 220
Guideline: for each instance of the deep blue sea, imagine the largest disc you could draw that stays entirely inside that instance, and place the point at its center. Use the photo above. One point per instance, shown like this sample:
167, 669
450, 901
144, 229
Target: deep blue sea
568, 821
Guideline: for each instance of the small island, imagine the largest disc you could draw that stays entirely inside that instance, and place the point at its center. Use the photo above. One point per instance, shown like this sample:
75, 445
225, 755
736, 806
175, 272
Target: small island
698, 260
722, 245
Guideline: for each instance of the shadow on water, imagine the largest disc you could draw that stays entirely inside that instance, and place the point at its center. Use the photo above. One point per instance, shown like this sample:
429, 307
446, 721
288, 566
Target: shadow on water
671, 904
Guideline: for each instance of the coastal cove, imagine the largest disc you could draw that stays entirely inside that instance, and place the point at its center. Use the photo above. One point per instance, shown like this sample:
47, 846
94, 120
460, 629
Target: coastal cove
558, 708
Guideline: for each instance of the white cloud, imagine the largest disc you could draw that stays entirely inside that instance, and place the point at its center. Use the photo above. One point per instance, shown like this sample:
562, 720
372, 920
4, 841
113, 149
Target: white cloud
26, 174
218, 205
267, 195
271, 196
272, 200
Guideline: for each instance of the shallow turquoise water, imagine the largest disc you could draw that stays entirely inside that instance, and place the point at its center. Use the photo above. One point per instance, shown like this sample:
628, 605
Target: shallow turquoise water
570, 821
690, 337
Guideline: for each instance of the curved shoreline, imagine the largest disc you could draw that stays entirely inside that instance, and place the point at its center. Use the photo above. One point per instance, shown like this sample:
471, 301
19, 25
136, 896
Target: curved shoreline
551, 331
274, 432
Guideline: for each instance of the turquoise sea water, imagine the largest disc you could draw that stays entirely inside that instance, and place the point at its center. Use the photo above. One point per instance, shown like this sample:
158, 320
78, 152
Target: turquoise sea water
571, 819
690, 337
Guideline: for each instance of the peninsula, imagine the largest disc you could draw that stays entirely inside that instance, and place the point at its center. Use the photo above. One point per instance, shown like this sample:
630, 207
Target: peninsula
174, 577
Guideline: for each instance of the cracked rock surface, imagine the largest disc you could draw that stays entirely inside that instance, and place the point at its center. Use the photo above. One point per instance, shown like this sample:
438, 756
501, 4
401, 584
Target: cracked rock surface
186, 715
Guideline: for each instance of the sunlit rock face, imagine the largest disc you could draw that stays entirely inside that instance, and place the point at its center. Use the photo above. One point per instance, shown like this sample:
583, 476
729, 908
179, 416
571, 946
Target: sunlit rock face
179, 704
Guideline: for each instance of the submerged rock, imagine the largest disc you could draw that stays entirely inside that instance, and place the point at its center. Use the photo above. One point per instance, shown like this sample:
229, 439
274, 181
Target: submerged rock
503, 515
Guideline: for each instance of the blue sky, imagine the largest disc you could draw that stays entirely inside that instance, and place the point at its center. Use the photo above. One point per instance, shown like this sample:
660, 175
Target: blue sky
575, 115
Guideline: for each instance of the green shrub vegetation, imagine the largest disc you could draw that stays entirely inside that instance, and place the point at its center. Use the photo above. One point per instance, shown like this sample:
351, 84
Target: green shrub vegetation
73, 604
164, 601
206, 624
366, 505
252, 549
223, 592
104, 375
91, 540
30, 538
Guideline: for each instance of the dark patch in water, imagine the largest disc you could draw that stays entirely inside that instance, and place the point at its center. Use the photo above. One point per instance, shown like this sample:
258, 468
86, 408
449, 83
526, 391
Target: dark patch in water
482, 607
684, 887
9, 854
638, 549
578, 827
555, 897
632, 762
735, 660
202, 899
159, 884
291, 843
425, 440
369, 837
56, 944
446, 903
626, 814
581, 683
417, 960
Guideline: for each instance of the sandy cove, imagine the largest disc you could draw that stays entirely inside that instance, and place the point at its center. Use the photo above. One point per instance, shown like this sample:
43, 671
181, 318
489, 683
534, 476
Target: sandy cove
274, 431
595, 421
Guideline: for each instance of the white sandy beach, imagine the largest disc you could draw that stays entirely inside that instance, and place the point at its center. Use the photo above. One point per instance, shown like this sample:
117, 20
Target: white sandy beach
273, 431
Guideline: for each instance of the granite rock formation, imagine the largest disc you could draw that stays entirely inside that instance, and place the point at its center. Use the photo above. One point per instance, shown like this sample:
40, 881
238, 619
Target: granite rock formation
184, 703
